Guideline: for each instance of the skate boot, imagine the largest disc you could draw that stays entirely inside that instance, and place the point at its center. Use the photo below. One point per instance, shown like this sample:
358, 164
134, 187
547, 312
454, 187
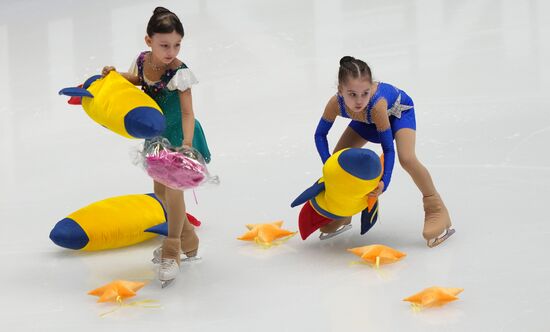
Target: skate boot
437, 222
189, 245
169, 261
336, 227
189, 242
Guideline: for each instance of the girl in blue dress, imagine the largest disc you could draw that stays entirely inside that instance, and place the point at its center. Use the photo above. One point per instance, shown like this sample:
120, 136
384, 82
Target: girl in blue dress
168, 81
380, 113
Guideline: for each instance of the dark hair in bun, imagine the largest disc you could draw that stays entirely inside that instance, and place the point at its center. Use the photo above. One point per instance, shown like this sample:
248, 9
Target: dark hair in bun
164, 21
354, 68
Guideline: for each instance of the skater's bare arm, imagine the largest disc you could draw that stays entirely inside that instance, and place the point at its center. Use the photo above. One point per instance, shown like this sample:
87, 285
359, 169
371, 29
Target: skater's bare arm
331, 110
187, 117
380, 115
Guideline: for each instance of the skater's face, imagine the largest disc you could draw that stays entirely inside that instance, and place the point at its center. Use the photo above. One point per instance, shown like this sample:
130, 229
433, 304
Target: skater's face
164, 46
356, 93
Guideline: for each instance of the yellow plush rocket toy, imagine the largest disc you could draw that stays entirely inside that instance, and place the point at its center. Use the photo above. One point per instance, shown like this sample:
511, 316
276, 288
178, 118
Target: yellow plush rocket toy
116, 104
110, 223
113, 223
349, 176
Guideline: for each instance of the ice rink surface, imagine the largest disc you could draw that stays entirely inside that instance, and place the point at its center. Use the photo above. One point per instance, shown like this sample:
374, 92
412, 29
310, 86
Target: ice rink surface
479, 79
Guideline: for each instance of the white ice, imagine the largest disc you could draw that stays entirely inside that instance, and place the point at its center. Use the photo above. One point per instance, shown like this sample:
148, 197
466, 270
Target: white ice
478, 73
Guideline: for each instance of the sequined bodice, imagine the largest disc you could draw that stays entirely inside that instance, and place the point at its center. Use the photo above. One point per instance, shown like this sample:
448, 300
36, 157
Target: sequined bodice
398, 102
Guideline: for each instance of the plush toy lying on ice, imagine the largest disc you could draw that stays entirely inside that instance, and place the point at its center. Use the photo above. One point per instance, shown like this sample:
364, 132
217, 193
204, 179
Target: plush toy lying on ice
114, 222
349, 176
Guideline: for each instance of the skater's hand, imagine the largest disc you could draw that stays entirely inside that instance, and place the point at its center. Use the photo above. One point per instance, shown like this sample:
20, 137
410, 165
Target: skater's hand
106, 70
185, 147
378, 191
188, 151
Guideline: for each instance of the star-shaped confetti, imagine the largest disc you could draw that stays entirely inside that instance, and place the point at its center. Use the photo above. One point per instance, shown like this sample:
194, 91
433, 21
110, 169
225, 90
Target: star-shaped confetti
433, 297
117, 290
378, 254
266, 234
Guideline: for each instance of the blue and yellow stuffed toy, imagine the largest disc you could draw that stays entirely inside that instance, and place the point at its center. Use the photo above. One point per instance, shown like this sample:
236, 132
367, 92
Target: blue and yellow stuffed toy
113, 223
118, 105
349, 175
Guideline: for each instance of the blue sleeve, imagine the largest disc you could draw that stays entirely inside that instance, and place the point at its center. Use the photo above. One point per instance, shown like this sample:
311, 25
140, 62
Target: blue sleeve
386, 138
321, 141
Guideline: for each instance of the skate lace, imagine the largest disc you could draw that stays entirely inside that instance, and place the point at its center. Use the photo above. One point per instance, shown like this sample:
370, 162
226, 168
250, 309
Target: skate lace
167, 263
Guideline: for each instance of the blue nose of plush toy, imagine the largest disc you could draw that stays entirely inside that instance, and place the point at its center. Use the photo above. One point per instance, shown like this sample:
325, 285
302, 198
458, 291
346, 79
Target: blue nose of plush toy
362, 163
144, 122
68, 234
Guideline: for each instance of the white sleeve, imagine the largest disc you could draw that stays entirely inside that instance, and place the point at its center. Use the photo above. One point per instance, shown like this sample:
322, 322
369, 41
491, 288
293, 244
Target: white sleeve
133, 67
182, 80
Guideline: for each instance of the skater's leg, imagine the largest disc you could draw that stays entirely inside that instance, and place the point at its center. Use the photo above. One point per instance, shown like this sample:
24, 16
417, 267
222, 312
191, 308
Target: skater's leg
349, 139
171, 247
405, 140
160, 192
437, 222
188, 237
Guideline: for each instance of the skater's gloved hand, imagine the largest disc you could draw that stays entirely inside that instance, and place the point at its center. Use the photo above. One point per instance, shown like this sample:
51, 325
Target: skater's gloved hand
378, 191
106, 70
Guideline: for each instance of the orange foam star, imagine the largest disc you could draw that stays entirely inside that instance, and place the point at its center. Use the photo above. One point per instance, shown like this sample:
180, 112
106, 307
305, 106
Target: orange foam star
434, 297
378, 254
265, 233
117, 290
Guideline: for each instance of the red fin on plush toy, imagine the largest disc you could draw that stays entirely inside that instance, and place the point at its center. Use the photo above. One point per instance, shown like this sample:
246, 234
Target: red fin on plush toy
310, 221
193, 221
75, 100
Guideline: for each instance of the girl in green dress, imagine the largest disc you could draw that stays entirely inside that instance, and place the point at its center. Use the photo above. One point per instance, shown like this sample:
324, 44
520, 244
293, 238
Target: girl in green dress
168, 81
